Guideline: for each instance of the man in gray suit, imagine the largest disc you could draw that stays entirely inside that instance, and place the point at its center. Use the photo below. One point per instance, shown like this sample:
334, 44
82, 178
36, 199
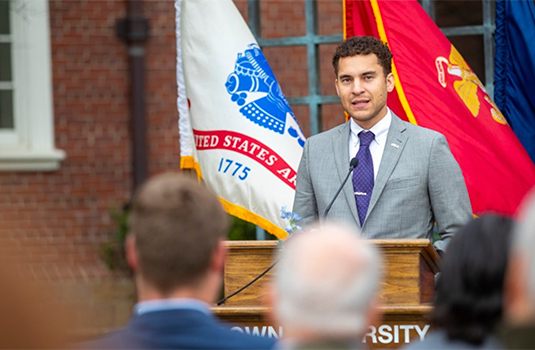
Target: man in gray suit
406, 178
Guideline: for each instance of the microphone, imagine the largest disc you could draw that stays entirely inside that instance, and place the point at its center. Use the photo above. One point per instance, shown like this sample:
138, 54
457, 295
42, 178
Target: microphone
352, 165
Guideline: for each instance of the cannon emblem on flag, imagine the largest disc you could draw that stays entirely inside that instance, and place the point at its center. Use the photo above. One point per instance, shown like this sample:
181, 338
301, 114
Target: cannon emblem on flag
253, 87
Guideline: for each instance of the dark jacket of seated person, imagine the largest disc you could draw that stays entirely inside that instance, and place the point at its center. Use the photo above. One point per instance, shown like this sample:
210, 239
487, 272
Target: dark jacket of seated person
176, 251
469, 293
177, 324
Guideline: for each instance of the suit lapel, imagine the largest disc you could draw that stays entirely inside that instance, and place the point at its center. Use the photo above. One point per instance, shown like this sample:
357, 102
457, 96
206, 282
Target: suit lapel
395, 142
342, 165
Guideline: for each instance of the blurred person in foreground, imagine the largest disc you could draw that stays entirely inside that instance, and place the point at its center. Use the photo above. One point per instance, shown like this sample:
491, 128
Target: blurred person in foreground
469, 293
325, 288
518, 331
175, 248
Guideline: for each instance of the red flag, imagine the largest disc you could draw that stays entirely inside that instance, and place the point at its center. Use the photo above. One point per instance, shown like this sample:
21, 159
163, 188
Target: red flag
436, 89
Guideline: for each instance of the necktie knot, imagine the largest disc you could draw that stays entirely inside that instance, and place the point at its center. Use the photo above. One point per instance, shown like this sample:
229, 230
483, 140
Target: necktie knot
366, 137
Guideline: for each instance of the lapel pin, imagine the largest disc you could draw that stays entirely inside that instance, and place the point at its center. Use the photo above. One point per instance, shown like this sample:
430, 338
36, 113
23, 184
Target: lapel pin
395, 145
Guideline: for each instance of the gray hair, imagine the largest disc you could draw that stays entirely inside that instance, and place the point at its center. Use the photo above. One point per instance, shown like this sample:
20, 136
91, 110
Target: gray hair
326, 282
524, 243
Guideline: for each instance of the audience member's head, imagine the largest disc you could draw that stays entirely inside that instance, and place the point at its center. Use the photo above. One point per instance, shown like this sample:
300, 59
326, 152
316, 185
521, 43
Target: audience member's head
520, 283
325, 285
175, 244
469, 292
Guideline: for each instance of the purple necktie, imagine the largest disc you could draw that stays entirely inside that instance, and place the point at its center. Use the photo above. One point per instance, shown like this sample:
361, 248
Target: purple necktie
363, 175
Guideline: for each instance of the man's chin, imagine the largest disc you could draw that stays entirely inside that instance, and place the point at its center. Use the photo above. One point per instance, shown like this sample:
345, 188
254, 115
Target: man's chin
361, 118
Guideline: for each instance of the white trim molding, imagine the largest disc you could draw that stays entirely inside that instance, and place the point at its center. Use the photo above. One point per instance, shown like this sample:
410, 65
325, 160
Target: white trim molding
30, 145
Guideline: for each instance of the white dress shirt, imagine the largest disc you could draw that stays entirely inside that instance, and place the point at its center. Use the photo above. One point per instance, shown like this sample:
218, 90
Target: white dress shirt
377, 147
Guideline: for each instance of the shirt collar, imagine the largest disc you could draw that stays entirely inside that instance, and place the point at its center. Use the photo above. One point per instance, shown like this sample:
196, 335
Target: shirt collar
171, 304
380, 129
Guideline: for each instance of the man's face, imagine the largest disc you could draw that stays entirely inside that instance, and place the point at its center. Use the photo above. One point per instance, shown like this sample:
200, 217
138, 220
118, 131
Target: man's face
363, 88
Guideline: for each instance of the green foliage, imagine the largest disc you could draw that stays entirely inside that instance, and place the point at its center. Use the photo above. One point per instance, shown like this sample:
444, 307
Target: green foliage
112, 252
241, 230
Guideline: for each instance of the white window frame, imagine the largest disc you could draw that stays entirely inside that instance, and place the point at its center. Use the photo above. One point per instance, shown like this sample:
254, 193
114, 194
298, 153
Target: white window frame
30, 146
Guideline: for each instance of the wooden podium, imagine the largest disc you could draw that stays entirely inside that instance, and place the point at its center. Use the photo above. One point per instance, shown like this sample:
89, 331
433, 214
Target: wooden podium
406, 295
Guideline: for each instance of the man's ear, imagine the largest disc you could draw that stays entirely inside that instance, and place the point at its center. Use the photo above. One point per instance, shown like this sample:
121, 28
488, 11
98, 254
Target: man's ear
131, 252
390, 82
268, 300
219, 257
336, 86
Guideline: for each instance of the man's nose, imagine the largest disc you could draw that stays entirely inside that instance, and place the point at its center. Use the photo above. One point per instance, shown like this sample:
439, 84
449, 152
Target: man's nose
358, 87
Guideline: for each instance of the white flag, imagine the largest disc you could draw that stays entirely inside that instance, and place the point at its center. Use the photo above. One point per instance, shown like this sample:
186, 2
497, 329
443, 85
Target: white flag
236, 127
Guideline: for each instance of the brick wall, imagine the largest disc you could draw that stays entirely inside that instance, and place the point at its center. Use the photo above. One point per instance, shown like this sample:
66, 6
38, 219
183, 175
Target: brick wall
57, 220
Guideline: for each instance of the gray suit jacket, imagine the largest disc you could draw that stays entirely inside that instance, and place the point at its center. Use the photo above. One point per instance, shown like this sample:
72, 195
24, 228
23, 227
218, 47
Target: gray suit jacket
418, 182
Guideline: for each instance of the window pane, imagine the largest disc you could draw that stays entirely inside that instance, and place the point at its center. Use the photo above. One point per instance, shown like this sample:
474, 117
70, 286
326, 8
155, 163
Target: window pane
302, 114
458, 13
289, 64
326, 69
332, 115
330, 14
282, 18
6, 109
4, 17
5, 61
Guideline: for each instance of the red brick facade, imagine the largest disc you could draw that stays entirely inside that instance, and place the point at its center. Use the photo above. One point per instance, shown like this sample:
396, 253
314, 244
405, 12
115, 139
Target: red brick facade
58, 220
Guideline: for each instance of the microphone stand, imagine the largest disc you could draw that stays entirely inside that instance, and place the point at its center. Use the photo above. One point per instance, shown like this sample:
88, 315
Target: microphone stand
352, 165
222, 301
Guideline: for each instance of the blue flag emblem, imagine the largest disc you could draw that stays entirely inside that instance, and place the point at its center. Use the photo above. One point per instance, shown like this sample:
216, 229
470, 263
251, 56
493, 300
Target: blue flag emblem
253, 87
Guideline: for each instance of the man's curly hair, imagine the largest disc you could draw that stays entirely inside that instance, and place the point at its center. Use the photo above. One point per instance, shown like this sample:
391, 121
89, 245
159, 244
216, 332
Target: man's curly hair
364, 45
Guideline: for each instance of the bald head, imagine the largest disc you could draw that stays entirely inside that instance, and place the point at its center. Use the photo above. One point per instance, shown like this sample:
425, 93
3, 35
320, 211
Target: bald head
326, 283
